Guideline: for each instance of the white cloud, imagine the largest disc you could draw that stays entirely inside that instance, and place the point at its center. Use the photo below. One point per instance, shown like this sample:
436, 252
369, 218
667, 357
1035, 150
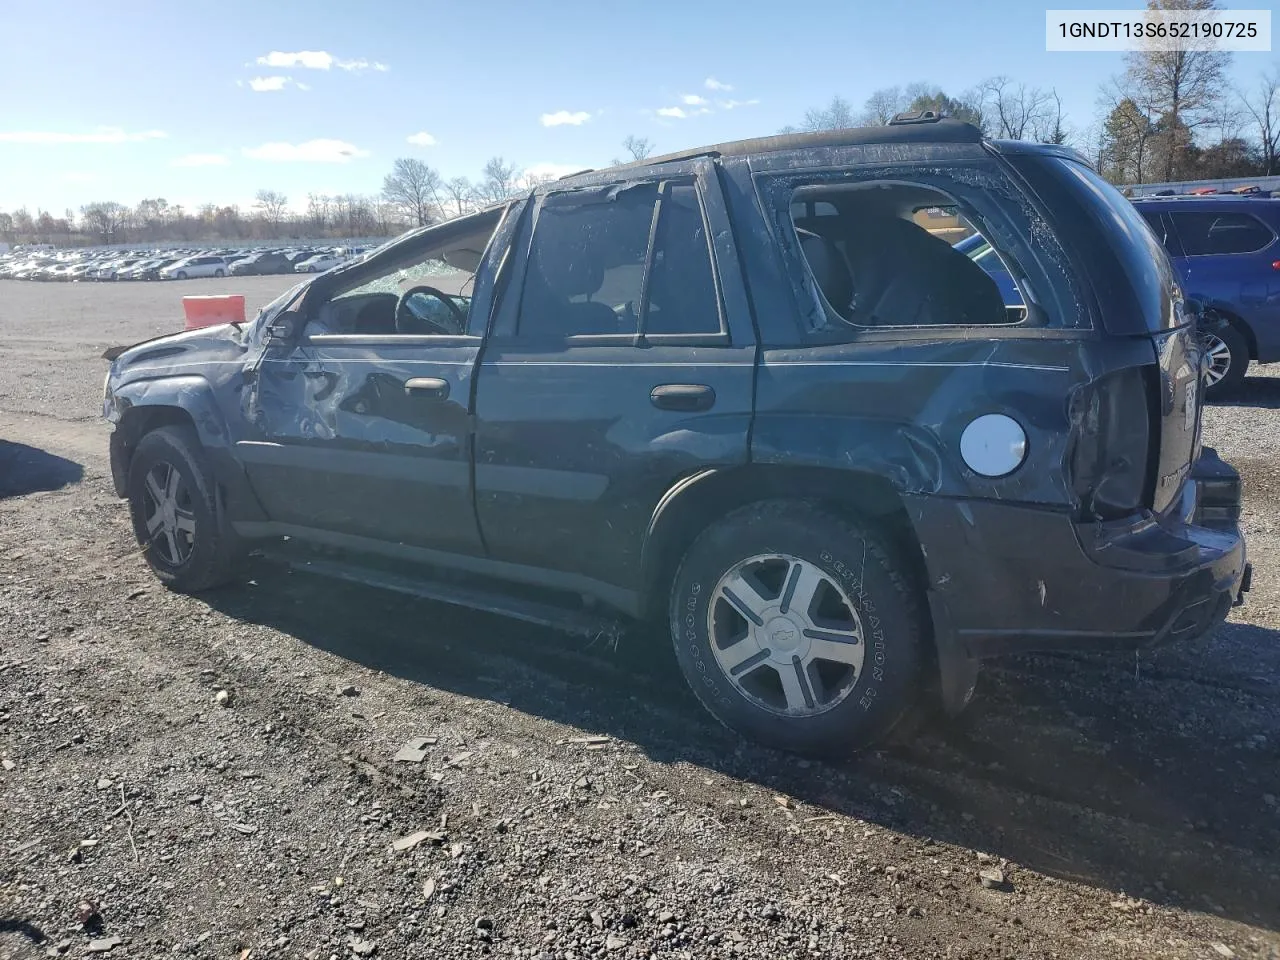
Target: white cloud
693, 100
319, 60
200, 160
311, 59
101, 135
80, 177
312, 151
563, 117
734, 104
711, 83
302, 86
422, 139
265, 84
552, 171
674, 112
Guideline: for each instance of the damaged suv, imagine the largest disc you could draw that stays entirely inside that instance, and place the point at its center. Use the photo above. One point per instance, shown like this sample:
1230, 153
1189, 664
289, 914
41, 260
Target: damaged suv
744, 391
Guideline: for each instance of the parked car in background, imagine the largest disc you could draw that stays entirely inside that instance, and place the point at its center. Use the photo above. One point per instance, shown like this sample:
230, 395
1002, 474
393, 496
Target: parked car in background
1225, 251
261, 263
153, 268
319, 263
200, 266
740, 394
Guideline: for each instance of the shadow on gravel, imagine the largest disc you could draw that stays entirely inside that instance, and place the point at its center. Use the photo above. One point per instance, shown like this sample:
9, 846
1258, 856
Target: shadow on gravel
1261, 392
1154, 786
26, 469
23, 928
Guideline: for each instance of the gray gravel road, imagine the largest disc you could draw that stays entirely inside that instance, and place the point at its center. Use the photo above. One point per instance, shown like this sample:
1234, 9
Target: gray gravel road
214, 776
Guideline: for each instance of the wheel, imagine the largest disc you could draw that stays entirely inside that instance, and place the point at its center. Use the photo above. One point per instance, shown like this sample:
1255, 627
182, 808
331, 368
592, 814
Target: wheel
181, 275
1228, 360
312, 270
798, 629
219, 273
176, 517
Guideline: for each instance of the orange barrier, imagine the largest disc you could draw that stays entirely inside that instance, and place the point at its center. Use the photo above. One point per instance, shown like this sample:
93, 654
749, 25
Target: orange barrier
211, 311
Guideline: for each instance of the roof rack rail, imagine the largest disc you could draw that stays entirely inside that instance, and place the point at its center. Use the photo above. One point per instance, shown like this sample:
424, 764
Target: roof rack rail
915, 116
577, 173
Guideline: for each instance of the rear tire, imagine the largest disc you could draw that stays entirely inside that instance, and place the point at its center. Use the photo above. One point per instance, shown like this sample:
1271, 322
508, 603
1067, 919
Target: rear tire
177, 518
797, 628
219, 273
1229, 357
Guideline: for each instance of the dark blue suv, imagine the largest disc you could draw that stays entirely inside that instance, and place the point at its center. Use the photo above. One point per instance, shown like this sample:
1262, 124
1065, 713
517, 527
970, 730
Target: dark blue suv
1227, 256
738, 392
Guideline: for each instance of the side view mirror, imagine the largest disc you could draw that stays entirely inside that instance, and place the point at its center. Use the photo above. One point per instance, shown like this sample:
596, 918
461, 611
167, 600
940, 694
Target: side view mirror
283, 327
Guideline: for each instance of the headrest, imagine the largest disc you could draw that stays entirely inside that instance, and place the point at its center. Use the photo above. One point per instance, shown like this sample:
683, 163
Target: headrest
571, 272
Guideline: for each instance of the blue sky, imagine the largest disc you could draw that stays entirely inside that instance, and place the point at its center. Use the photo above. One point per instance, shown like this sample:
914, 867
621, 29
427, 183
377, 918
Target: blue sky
115, 101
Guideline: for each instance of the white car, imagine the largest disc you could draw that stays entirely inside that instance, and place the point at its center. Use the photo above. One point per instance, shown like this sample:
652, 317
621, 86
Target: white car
195, 267
319, 263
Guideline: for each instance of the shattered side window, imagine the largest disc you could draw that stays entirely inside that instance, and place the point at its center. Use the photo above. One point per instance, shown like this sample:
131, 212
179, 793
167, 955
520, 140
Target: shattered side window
586, 264
941, 246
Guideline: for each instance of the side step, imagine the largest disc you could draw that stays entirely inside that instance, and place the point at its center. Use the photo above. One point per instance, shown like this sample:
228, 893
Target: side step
578, 622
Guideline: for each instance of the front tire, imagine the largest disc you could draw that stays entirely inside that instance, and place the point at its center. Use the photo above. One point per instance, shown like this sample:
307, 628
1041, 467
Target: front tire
219, 273
181, 275
798, 629
1228, 358
177, 518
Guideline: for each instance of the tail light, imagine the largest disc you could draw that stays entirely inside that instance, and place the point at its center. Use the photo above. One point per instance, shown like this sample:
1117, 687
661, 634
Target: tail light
1112, 468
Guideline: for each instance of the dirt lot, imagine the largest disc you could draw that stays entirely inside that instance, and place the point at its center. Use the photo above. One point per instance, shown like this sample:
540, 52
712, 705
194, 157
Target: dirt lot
1131, 804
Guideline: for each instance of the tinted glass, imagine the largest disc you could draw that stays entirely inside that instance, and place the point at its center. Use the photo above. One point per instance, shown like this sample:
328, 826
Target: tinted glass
1126, 234
1216, 233
1157, 225
682, 289
586, 264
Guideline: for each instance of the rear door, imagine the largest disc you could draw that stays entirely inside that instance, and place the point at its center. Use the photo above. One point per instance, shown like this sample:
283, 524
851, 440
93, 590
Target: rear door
621, 360
1228, 257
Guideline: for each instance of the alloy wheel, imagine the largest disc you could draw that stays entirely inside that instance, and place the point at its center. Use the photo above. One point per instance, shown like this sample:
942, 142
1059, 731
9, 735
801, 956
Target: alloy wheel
1219, 355
786, 635
171, 523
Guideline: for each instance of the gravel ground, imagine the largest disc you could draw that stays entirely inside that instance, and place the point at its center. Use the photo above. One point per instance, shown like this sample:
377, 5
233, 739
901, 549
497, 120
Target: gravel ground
216, 776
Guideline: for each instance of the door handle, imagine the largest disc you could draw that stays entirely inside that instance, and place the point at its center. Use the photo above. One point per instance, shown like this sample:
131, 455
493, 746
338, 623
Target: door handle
431, 388
688, 397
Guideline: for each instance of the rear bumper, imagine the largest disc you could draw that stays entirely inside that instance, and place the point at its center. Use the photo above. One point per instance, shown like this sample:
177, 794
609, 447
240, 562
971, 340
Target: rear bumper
1016, 579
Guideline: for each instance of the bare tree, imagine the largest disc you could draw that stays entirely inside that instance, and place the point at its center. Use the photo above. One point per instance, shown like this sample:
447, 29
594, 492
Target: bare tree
1263, 106
461, 192
1179, 88
414, 188
836, 115
104, 219
271, 206
638, 147
1016, 111
883, 105
499, 180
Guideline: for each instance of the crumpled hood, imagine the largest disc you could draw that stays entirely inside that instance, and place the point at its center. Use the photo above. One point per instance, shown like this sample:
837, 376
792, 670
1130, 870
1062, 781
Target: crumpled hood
223, 342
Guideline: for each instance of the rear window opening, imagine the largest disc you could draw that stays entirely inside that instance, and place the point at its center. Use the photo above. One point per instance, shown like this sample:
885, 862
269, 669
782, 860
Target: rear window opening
894, 254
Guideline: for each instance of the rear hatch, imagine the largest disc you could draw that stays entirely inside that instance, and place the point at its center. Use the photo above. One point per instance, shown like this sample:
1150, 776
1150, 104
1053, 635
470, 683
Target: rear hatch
1138, 298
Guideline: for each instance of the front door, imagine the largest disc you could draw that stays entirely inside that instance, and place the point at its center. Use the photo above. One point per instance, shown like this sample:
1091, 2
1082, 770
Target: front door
365, 421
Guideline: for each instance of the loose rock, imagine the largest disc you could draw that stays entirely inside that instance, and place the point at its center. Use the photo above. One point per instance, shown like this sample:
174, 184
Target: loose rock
993, 878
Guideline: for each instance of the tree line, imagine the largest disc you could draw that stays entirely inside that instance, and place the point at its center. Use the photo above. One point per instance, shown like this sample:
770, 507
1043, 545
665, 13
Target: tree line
1168, 116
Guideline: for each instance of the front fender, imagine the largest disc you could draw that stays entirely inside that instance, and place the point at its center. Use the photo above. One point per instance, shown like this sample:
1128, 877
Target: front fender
190, 394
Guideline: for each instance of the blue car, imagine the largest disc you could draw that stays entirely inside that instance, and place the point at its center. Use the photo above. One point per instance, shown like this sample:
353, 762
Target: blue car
1226, 254
977, 249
